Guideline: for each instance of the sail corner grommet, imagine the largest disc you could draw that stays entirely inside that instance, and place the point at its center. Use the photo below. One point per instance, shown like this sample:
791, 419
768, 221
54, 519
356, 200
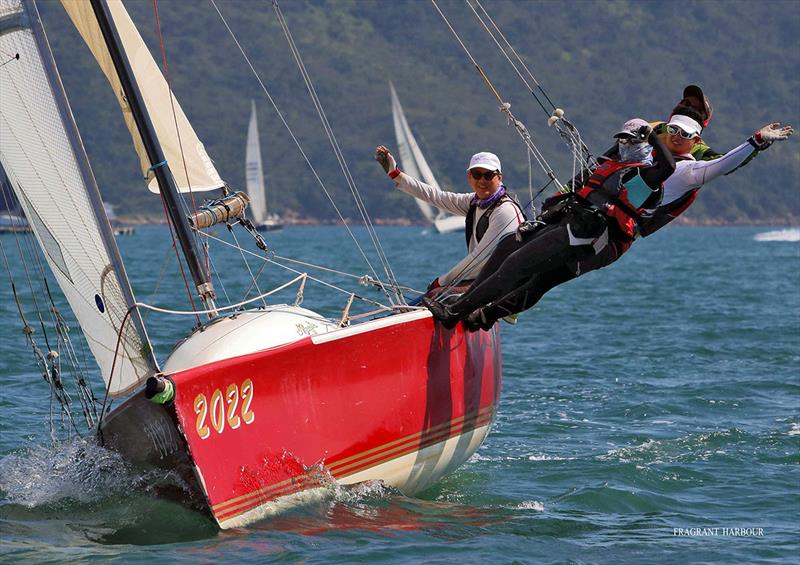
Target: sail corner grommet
159, 390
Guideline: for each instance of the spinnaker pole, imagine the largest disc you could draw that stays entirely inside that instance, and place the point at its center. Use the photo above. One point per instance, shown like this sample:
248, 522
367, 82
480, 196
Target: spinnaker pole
155, 154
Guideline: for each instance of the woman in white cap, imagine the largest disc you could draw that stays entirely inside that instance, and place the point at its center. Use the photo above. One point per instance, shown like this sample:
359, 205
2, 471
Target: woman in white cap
681, 189
490, 213
594, 224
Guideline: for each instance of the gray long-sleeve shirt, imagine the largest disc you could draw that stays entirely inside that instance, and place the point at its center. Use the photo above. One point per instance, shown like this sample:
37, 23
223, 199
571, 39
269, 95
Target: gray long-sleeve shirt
504, 220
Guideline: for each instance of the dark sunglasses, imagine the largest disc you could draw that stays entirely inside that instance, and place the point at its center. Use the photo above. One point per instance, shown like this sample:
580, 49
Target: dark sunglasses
630, 140
675, 130
488, 175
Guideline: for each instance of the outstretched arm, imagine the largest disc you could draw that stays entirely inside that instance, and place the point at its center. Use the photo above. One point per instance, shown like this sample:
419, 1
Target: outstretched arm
706, 171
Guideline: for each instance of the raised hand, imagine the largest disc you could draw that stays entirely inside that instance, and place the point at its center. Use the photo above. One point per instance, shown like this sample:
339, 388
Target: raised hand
384, 157
773, 132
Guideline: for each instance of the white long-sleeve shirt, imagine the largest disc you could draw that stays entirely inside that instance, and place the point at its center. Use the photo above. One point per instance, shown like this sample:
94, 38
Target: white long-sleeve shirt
504, 220
690, 174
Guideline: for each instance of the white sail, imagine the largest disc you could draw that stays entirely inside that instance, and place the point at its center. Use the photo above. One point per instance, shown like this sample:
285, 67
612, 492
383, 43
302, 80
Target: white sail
43, 155
411, 159
254, 171
190, 164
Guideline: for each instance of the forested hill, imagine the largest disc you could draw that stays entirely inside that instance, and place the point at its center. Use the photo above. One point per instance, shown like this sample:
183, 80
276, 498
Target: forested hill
603, 62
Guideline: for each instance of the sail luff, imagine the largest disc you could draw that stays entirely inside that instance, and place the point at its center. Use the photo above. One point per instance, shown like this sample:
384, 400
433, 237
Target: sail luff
191, 166
405, 148
159, 165
254, 170
43, 155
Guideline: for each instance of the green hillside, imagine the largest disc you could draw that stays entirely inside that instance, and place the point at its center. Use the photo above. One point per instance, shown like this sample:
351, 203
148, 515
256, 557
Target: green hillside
603, 62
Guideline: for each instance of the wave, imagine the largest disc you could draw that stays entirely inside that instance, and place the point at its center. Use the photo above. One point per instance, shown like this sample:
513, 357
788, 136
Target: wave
788, 234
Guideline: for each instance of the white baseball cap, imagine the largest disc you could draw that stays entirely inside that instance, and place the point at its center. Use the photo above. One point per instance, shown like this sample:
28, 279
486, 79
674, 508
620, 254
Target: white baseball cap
631, 128
485, 160
686, 123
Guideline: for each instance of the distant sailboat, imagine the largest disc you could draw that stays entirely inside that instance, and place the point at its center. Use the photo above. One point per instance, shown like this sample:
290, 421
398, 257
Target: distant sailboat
413, 162
254, 173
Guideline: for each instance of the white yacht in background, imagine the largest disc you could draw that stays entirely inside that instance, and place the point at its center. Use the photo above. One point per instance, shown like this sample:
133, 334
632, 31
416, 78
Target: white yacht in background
254, 176
413, 162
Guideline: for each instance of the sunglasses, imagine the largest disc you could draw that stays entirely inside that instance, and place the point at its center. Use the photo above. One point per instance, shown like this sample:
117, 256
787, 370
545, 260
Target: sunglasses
488, 175
675, 130
629, 141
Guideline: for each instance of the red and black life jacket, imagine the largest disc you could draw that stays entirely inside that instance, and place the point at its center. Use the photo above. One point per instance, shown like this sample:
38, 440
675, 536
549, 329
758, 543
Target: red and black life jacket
624, 212
483, 223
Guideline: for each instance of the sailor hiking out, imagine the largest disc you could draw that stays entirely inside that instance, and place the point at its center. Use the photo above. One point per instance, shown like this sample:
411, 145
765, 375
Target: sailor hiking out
593, 225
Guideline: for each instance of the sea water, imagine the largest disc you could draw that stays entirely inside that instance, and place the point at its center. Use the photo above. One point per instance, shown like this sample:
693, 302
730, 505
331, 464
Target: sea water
650, 412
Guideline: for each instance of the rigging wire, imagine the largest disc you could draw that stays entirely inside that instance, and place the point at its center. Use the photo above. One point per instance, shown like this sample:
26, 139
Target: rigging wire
297, 143
505, 107
569, 133
320, 281
337, 150
246, 264
177, 129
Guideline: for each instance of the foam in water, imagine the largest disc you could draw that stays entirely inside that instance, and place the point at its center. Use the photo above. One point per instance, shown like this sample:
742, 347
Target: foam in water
531, 505
77, 470
788, 234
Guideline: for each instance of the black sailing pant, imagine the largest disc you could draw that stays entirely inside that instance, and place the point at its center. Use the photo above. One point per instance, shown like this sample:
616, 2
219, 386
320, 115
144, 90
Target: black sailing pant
516, 264
526, 296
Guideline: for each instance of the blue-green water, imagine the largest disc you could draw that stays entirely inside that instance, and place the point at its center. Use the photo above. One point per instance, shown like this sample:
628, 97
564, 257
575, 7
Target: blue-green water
661, 393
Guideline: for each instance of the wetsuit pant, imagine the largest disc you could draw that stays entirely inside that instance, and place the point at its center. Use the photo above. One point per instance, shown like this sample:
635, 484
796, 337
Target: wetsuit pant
527, 295
514, 264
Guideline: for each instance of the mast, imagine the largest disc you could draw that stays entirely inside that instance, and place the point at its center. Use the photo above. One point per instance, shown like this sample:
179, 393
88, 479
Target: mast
155, 154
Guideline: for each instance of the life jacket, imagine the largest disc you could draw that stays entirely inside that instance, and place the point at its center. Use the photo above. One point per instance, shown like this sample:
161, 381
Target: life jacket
624, 213
483, 223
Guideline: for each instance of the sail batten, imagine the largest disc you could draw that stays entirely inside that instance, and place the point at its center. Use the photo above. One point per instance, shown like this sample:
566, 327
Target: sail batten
43, 156
191, 166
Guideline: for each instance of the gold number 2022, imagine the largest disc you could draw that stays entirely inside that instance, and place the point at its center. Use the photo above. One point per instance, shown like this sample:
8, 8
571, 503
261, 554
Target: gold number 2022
223, 408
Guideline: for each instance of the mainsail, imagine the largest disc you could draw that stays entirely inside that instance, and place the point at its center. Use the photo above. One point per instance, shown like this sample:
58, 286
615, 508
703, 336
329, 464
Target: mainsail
190, 164
254, 171
411, 158
43, 155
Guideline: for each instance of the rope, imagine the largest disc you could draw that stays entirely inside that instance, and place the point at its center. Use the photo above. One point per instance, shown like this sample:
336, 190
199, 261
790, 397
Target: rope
295, 140
175, 121
246, 264
337, 151
570, 135
505, 107
320, 281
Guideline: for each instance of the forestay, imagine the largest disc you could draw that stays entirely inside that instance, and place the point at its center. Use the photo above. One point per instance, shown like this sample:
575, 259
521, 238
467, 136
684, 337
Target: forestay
42, 152
182, 148
254, 171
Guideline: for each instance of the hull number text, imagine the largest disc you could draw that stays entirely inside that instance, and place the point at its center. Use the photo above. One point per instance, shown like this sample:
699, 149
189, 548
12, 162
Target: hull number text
231, 408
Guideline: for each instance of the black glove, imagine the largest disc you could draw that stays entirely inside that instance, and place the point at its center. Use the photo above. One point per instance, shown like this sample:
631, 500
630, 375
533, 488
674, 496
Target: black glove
643, 133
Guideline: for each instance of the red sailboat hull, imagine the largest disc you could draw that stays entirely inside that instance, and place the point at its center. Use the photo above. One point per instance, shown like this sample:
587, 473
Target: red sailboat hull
398, 399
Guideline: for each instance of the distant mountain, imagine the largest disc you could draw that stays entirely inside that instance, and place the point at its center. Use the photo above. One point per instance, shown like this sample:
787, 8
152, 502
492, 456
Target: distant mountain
603, 62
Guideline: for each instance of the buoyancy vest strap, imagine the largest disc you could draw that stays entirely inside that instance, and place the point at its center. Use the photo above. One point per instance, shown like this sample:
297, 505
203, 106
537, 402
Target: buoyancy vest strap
483, 223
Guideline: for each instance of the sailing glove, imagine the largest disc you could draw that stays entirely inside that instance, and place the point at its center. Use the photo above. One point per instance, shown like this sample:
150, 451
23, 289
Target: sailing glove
384, 157
764, 137
643, 133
